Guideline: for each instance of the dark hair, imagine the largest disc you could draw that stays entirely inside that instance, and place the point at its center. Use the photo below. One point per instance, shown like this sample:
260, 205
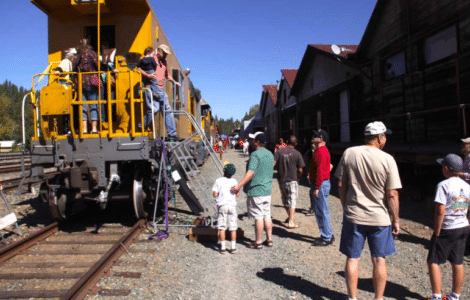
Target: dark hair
292, 140
83, 45
148, 50
227, 173
370, 138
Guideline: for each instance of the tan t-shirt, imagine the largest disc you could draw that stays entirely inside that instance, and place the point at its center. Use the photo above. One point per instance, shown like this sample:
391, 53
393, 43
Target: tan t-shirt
368, 173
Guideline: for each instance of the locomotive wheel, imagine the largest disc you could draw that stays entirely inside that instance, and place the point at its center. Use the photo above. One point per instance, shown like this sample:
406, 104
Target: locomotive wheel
139, 195
59, 204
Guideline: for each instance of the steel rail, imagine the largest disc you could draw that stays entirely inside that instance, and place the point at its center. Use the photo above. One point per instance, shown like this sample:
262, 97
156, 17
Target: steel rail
84, 286
18, 247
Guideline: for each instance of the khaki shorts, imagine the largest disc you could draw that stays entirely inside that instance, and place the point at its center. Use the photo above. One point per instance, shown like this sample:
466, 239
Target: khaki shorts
227, 214
289, 192
259, 207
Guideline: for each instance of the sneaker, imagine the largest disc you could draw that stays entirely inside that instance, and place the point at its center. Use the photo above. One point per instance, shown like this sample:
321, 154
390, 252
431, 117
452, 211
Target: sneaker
174, 137
222, 251
233, 251
443, 298
320, 243
310, 213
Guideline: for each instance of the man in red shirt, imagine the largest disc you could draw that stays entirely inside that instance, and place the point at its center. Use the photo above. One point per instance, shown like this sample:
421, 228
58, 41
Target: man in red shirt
319, 178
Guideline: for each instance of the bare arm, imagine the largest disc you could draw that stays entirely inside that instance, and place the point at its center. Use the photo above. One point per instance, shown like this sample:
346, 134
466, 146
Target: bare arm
394, 208
439, 218
248, 175
299, 173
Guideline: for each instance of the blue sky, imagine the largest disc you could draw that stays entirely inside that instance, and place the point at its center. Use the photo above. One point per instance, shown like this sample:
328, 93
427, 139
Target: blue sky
231, 47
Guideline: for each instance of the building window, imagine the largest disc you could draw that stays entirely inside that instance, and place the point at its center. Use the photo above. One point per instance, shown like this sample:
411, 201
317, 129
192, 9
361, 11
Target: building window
395, 66
440, 45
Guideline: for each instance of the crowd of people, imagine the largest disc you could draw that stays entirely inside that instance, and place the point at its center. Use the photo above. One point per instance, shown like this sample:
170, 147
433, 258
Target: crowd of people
368, 184
152, 66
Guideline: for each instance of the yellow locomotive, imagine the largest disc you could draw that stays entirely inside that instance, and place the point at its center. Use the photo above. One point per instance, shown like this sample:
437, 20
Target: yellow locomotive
121, 158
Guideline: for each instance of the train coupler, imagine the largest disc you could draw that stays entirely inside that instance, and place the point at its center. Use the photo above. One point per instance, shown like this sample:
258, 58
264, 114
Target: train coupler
103, 197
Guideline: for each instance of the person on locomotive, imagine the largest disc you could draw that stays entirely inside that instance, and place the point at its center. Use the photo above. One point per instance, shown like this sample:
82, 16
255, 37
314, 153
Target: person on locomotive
66, 66
160, 75
87, 61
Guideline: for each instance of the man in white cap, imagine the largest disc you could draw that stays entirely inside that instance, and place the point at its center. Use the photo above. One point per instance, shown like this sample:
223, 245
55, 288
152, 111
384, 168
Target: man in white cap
368, 180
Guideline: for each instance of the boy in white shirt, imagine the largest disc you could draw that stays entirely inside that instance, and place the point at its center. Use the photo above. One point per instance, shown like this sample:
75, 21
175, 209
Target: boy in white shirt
451, 228
227, 207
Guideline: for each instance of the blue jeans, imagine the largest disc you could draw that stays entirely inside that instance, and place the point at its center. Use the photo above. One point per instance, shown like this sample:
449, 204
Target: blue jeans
320, 205
157, 104
90, 93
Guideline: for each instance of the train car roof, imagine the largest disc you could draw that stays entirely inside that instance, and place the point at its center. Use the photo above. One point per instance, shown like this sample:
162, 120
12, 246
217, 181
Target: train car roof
86, 6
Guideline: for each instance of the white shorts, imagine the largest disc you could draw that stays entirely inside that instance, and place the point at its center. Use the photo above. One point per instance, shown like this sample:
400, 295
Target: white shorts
289, 193
259, 207
227, 214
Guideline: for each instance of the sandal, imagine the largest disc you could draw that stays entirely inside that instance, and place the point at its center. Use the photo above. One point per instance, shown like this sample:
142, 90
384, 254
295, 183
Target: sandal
268, 243
255, 245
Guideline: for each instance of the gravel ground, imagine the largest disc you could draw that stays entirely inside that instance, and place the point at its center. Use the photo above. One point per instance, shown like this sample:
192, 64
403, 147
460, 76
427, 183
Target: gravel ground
31, 212
292, 269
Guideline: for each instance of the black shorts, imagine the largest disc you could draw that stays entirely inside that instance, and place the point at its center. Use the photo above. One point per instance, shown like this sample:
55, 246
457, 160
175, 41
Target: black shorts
450, 245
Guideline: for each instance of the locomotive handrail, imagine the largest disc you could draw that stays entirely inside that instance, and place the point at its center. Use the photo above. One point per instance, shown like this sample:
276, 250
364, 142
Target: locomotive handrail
77, 100
201, 133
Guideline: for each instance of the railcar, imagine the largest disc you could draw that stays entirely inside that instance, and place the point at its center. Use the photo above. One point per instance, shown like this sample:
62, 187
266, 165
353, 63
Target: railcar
123, 159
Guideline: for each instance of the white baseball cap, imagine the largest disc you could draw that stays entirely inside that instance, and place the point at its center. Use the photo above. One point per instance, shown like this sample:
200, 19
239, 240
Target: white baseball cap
466, 141
253, 135
375, 128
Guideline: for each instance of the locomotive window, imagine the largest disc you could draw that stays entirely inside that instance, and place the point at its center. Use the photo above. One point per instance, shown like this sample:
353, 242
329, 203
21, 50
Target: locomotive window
107, 36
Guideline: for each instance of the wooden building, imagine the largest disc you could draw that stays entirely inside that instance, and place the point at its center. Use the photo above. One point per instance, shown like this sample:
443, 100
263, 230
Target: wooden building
415, 63
321, 91
269, 113
286, 105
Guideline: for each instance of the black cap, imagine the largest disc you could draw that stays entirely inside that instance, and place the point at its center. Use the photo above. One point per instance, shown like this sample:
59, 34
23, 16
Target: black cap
261, 138
452, 161
230, 169
321, 134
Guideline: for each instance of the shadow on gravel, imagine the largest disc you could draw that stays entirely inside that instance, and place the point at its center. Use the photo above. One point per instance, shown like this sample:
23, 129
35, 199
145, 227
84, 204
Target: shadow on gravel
409, 238
283, 233
392, 290
296, 283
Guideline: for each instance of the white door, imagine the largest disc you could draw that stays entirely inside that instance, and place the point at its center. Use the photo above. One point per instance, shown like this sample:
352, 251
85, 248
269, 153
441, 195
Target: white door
344, 116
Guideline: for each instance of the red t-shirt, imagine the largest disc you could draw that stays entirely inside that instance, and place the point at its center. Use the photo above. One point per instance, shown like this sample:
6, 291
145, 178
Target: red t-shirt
319, 169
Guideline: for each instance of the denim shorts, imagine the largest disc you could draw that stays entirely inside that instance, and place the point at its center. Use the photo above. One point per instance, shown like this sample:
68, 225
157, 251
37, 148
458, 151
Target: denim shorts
353, 237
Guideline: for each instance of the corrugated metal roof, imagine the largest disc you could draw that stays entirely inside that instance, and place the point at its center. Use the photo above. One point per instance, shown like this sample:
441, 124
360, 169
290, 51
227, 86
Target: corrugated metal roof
272, 90
289, 75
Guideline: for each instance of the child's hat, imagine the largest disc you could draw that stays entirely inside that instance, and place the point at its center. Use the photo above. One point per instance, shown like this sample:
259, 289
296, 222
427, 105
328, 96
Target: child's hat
452, 161
230, 169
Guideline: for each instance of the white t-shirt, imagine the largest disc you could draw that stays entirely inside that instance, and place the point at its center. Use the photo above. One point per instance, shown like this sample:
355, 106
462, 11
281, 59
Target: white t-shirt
454, 193
222, 186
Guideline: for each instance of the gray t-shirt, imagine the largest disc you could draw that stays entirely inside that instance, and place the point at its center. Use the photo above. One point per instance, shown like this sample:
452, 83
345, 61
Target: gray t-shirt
368, 173
454, 193
289, 161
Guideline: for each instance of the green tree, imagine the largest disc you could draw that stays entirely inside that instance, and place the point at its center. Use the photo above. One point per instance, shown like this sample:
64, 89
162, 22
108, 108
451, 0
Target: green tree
6, 122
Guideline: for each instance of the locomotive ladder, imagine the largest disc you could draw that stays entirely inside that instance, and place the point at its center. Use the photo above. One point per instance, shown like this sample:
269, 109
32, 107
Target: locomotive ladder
197, 182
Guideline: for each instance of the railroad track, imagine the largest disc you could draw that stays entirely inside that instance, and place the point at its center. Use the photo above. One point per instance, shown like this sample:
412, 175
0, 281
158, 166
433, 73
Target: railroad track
52, 263
11, 162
